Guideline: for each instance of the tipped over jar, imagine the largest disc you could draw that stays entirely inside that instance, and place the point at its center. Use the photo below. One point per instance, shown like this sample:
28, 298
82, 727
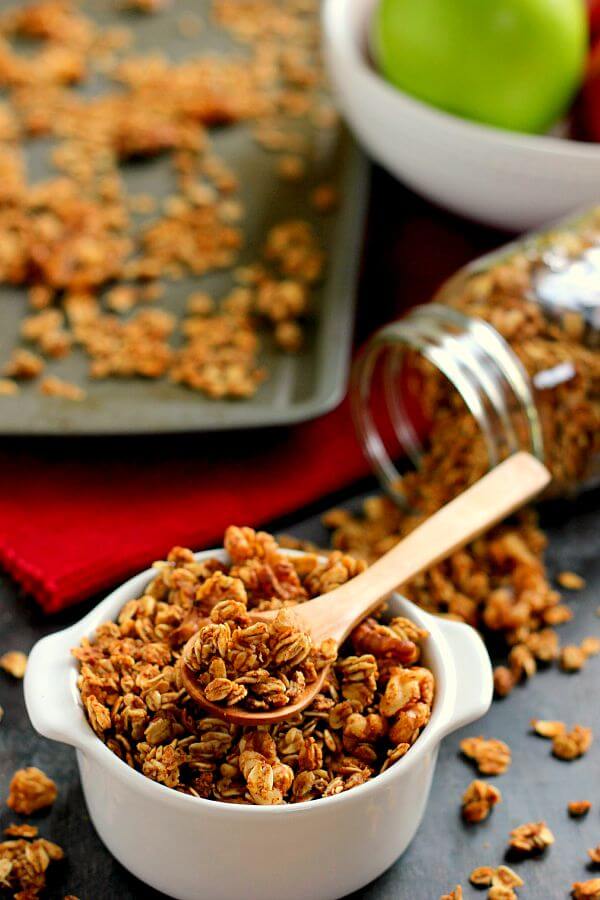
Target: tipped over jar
506, 357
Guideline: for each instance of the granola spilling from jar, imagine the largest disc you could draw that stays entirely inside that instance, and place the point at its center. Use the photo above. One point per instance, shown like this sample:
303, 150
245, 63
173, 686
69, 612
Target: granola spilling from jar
95, 255
375, 700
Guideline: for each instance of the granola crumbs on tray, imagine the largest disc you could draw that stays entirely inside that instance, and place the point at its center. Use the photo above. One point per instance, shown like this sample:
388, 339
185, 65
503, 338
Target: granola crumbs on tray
492, 757
375, 701
531, 838
29, 790
579, 808
74, 242
14, 662
478, 801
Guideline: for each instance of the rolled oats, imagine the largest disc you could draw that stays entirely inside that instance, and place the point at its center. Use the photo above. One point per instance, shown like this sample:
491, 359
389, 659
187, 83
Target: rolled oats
374, 703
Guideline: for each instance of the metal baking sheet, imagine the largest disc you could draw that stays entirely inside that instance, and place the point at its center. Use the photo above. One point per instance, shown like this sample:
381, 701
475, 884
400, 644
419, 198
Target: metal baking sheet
299, 387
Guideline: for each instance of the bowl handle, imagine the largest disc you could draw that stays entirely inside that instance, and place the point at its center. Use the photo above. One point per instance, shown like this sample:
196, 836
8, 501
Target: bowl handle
50, 693
474, 677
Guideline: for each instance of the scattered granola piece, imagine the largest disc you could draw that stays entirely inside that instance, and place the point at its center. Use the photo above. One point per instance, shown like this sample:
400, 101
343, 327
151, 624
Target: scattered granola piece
586, 890
492, 756
23, 364
504, 681
579, 808
23, 865
29, 790
572, 744
456, 894
548, 729
478, 801
14, 662
531, 838
571, 581
505, 877
590, 646
325, 198
8, 388
291, 168
482, 876
57, 387
1, 713
572, 658
23, 831
522, 662
594, 855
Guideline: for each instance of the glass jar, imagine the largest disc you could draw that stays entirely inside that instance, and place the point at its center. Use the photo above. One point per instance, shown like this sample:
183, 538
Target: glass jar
506, 357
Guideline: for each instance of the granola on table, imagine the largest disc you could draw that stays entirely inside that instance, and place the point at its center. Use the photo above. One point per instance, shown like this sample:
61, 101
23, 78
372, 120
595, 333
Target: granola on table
375, 701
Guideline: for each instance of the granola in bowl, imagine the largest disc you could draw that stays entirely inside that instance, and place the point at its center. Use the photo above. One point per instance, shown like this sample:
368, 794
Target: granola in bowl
375, 701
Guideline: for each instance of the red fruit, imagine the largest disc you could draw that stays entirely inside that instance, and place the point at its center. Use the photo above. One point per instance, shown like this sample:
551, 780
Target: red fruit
589, 101
594, 18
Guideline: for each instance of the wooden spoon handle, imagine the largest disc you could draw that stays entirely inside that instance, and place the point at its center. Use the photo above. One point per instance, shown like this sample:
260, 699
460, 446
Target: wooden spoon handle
491, 499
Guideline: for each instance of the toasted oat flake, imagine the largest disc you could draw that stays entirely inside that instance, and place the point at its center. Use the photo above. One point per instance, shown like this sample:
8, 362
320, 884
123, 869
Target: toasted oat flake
579, 808
482, 876
8, 388
586, 890
14, 662
24, 831
29, 790
548, 729
572, 658
571, 581
456, 894
594, 855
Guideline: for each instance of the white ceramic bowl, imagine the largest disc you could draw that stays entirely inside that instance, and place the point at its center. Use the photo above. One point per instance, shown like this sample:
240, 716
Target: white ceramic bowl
503, 178
188, 847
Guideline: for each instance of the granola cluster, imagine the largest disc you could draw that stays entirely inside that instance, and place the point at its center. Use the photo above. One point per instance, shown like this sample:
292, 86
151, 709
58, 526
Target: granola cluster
375, 700
24, 860
30, 790
90, 253
256, 665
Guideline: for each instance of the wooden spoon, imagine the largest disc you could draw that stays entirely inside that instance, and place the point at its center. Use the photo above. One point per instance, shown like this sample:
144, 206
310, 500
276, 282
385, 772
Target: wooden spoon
334, 615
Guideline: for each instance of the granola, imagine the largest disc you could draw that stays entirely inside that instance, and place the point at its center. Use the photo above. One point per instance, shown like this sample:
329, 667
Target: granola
478, 801
586, 890
14, 662
24, 863
594, 855
29, 790
531, 838
75, 241
456, 894
492, 757
572, 744
579, 808
374, 703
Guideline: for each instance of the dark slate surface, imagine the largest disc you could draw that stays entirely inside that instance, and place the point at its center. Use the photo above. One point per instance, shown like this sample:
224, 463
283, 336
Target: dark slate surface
444, 851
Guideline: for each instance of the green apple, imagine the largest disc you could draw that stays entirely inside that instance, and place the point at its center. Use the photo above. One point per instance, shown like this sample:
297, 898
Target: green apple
515, 64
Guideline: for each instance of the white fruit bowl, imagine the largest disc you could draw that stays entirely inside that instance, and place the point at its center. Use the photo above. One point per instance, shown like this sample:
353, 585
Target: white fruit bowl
503, 178
188, 847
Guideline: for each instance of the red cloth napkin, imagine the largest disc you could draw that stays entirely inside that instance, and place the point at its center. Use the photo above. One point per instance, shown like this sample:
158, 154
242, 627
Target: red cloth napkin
77, 516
